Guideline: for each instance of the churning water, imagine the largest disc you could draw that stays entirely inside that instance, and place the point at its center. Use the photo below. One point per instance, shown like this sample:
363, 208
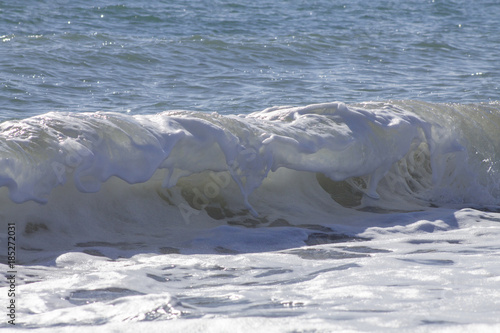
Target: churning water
222, 166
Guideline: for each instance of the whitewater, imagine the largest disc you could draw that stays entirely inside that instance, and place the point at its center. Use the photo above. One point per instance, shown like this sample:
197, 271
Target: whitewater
223, 166
344, 214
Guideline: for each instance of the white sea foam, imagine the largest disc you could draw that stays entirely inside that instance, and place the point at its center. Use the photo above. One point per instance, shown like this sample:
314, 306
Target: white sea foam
458, 145
148, 218
102, 174
432, 270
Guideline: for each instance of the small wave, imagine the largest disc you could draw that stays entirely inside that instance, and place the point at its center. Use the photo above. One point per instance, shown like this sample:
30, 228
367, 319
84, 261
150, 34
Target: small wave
248, 169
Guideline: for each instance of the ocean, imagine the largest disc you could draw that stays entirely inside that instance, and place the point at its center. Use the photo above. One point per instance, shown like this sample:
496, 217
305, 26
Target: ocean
226, 166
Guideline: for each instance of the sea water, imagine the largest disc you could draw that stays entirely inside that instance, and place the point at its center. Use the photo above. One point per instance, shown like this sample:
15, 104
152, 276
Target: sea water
224, 166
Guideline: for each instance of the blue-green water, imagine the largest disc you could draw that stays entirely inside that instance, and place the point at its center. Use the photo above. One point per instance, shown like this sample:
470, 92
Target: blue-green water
236, 57
379, 212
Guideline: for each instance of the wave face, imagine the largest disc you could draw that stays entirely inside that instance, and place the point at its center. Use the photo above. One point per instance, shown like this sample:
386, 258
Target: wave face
280, 164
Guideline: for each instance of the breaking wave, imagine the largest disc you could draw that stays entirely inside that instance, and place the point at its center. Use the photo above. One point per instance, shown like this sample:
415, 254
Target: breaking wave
280, 164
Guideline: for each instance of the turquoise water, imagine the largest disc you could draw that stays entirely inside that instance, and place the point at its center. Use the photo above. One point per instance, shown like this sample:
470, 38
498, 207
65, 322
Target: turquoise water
236, 57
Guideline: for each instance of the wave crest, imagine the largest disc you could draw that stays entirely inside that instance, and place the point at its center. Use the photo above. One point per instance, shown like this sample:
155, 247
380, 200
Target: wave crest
365, 154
